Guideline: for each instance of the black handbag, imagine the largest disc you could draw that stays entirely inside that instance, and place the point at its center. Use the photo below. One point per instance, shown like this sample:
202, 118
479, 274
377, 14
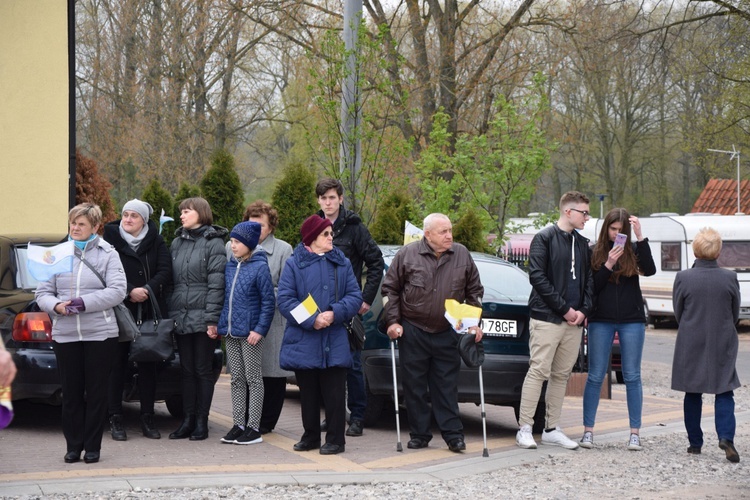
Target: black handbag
127, 326
155, 340
356, 332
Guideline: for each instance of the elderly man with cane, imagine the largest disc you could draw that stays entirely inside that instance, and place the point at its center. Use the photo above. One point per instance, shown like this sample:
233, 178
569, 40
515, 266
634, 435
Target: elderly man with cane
422, 276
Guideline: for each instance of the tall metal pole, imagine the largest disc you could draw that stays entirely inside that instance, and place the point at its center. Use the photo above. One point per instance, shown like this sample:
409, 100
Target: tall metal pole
734, 153
351, 150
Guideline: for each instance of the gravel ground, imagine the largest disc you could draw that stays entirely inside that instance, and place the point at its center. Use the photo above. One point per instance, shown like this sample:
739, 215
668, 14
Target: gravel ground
662, 470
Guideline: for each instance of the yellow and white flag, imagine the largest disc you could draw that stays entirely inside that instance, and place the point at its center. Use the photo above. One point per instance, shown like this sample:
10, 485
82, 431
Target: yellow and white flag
411, 233
462, 316
305, 309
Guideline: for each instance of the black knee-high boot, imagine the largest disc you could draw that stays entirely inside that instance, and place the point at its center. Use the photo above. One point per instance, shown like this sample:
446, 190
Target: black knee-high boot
201, 428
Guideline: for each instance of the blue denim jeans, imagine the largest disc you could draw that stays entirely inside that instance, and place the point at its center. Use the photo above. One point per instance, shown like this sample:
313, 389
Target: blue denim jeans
601, 336
355, 387
723, 416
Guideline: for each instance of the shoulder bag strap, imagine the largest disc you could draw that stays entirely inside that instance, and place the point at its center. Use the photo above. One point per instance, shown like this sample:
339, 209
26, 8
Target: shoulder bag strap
94, 271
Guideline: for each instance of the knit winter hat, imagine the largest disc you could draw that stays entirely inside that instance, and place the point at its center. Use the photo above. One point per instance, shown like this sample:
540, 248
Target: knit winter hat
247, 233
140, 207
312, 227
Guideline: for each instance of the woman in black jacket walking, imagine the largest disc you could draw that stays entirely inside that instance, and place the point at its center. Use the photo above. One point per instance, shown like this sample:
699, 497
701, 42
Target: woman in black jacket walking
198, 262
147, 263
618, 307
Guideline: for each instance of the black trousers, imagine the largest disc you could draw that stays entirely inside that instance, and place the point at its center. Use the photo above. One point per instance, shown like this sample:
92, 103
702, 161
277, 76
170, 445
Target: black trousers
196, 360
430, 364
326, 386
84, 374
274, 393
146, 381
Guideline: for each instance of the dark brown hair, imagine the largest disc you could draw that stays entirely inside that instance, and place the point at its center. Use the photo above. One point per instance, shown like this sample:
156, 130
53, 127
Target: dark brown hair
325, 184
260, 207
627, 265
200, 205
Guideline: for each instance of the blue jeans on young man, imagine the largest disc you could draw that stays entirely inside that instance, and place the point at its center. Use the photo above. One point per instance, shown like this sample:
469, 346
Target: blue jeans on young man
355, 387
724, 419
601, 336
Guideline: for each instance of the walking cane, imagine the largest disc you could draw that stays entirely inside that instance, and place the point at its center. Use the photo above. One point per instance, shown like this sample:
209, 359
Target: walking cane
485, 453
395, 396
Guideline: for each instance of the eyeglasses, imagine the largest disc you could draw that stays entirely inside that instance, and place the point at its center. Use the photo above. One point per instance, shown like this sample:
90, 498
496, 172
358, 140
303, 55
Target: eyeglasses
585, 213
326, 234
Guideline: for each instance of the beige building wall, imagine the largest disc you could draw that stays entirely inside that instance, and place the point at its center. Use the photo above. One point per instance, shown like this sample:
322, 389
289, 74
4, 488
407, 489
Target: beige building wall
33, 116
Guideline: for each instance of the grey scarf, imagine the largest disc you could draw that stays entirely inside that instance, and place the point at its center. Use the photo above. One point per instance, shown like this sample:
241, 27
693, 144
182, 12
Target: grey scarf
131, 240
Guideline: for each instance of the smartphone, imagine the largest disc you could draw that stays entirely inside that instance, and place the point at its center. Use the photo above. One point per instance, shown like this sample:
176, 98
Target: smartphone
620, 239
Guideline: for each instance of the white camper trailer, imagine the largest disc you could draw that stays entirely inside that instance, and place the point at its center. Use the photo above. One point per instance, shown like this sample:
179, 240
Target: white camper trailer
671, 236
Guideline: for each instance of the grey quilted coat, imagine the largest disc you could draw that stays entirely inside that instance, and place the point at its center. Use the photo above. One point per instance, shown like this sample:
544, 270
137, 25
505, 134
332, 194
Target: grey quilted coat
198, 262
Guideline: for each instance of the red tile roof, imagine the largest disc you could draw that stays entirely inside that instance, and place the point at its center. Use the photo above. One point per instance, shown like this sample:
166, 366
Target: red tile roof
720, 197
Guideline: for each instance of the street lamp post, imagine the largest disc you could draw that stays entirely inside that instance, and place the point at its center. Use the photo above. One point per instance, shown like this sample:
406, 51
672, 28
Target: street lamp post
734, 153
601, 204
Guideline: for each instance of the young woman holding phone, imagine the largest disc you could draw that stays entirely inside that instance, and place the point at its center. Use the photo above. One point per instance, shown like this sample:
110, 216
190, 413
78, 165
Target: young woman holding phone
618, 308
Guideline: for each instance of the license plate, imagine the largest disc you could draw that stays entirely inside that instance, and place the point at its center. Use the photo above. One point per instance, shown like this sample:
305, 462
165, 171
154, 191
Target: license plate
500, 327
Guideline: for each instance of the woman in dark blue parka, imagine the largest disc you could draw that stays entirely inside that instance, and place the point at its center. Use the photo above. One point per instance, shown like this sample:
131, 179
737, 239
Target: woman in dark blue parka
316, 345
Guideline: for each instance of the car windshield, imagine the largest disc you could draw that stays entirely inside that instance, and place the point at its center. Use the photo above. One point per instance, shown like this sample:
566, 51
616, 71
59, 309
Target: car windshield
504, 283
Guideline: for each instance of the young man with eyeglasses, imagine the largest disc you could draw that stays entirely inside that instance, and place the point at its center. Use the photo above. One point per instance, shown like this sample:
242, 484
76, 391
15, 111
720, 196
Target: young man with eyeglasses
353, 238
560, 300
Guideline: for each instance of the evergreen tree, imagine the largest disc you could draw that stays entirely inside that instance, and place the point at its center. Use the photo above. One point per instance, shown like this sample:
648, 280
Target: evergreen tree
92, 187
388, 226
294, 199
160, 199
469, 231
222, 189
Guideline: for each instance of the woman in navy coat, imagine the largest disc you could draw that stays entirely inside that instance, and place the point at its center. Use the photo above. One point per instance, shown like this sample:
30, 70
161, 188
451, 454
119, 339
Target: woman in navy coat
316, 344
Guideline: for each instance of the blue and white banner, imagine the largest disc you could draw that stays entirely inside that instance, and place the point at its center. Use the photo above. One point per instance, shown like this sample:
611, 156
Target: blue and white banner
45, 262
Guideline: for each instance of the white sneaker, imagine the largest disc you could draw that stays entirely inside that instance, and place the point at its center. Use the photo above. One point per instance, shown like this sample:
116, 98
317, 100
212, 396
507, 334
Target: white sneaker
525, 439
635, 443
556, 437
587, 441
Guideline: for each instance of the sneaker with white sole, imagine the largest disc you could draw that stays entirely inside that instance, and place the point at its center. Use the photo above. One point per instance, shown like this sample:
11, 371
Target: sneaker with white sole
635, 443
587, 441
250, 436
233, 434
525, 438
556, 437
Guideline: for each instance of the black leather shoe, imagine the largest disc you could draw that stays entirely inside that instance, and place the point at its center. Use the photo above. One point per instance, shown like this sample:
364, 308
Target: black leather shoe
457, 445
91, 457
694, 450
355, 429
148, 427
117, 428
417, 443
332, 449
72, 457
730, 450
185, 429
307, 445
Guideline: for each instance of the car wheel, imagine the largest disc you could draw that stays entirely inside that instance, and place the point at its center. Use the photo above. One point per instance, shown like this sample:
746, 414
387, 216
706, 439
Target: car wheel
374, 408
174, 406
619, 377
